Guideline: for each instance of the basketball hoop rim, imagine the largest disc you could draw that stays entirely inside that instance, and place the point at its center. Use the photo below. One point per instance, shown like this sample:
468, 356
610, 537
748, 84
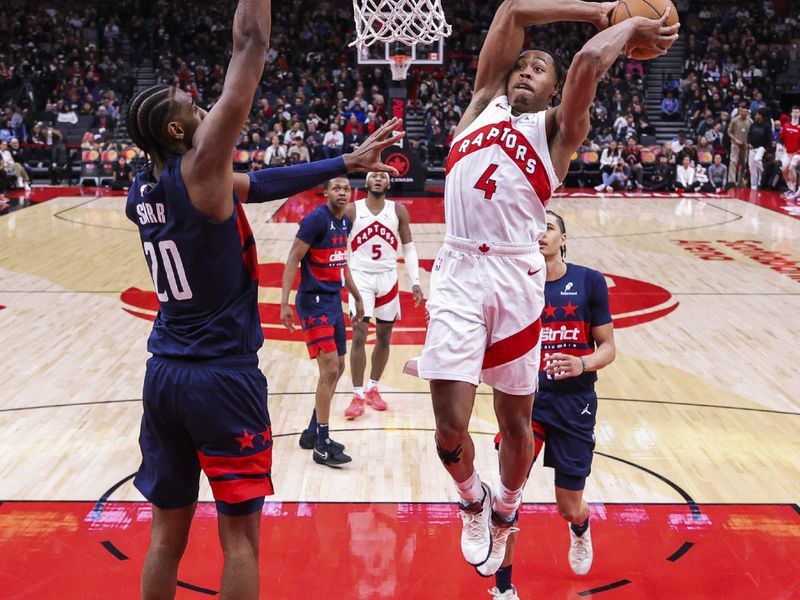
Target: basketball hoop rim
400, 64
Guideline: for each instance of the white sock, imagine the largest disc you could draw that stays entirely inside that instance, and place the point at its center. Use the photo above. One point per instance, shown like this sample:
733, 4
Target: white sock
359, 391
372, 385
507, 501
471, 489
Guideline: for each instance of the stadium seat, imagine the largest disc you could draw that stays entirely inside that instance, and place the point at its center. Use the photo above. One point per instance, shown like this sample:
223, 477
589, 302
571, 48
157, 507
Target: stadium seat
648, 140
590, 164
89, 174
241, 160
648, 156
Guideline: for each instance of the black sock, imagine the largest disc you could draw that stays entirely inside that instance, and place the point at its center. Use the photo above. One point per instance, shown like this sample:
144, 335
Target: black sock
502, 578
322, 434
581, 528
312, 424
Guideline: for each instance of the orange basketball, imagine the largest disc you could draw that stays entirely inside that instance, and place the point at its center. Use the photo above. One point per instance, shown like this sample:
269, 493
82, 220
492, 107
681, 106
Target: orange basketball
652, 9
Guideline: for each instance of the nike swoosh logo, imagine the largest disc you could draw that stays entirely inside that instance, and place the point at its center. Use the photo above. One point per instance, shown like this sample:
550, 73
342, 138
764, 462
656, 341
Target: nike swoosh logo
321, 455
533, 272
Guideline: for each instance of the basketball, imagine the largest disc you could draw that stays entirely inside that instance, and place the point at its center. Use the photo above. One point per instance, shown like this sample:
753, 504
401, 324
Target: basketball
651, 9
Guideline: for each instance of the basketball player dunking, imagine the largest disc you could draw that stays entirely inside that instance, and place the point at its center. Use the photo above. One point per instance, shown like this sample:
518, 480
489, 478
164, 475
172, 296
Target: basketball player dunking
378, 225
487, 287
204, 397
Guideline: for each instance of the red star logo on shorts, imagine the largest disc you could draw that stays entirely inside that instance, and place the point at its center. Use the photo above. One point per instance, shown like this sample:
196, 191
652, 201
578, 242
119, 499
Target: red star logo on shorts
550, 311
323, 319
310, 321
246, 440
266, 435
570, 309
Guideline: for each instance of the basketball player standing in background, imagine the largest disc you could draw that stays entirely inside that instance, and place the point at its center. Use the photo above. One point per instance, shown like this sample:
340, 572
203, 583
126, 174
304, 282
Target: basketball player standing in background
577, 341
487, 287
378, 224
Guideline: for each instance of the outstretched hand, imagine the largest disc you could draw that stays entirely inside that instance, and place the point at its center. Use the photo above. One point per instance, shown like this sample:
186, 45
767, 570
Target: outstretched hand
367, 157
652, 35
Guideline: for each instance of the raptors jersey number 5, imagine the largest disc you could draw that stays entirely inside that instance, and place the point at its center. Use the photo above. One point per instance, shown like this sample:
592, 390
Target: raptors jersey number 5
374, 239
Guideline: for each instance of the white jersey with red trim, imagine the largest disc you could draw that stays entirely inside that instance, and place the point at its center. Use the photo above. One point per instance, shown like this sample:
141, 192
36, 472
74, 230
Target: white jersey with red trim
499, 177
374, 238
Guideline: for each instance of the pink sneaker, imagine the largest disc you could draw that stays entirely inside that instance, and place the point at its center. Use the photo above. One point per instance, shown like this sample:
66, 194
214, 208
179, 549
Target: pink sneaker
356, 408
375, 400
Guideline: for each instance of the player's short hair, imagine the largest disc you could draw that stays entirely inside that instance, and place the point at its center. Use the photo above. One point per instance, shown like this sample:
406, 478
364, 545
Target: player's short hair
329, 181
560, 220
795, 107
557, 64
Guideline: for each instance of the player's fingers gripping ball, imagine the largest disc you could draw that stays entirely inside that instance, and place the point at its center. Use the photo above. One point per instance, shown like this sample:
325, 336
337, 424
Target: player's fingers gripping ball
650, 9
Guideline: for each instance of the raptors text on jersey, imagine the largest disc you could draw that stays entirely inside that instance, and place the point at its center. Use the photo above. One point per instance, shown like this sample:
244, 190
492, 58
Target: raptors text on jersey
374, 238
499, 177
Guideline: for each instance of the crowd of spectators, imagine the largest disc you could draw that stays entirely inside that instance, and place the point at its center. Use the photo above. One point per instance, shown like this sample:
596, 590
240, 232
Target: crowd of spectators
63, 72
728, 95
315, 102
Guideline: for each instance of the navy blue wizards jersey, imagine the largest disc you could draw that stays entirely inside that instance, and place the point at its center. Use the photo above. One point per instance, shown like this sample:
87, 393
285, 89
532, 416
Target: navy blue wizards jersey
205, 274
574, 304
322, 269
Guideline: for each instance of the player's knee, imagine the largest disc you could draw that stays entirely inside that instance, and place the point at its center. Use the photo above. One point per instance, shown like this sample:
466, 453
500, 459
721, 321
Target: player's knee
570, 512
168, 548
517, 431
383, 337
240, 548
359, 338
329, 373
450, 434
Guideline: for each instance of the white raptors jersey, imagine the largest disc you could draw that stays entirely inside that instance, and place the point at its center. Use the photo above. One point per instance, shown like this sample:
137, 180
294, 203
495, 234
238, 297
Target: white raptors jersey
499, 177
374, 238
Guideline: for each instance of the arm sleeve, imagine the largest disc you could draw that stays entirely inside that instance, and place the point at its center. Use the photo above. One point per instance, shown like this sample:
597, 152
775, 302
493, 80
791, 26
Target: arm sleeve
282, 182
598, 298
412, 262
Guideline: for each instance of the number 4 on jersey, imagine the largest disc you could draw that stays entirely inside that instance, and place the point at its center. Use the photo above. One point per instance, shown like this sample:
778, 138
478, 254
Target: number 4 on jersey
486, 184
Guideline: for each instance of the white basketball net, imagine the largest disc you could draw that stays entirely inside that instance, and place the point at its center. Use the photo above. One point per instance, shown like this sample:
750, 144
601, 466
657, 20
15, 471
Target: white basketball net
407, 21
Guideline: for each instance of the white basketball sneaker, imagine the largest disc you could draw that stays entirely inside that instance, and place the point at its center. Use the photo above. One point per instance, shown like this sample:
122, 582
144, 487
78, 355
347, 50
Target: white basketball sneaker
510, 594
500, 531
580, 551
476, 540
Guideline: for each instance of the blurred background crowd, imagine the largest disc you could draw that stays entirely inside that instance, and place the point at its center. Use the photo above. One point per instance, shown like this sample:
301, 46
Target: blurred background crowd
707, 116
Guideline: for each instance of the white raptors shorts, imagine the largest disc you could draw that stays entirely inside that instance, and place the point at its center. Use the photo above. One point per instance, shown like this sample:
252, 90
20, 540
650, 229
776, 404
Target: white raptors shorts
789, 160
379, 294
485, 302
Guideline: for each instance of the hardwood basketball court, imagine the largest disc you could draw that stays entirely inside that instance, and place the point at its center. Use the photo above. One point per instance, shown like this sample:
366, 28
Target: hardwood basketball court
695, 481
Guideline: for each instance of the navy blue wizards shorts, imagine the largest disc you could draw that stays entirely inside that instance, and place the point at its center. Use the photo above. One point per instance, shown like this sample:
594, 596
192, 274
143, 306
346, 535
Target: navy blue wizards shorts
567, 420
207, 415
322, 320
